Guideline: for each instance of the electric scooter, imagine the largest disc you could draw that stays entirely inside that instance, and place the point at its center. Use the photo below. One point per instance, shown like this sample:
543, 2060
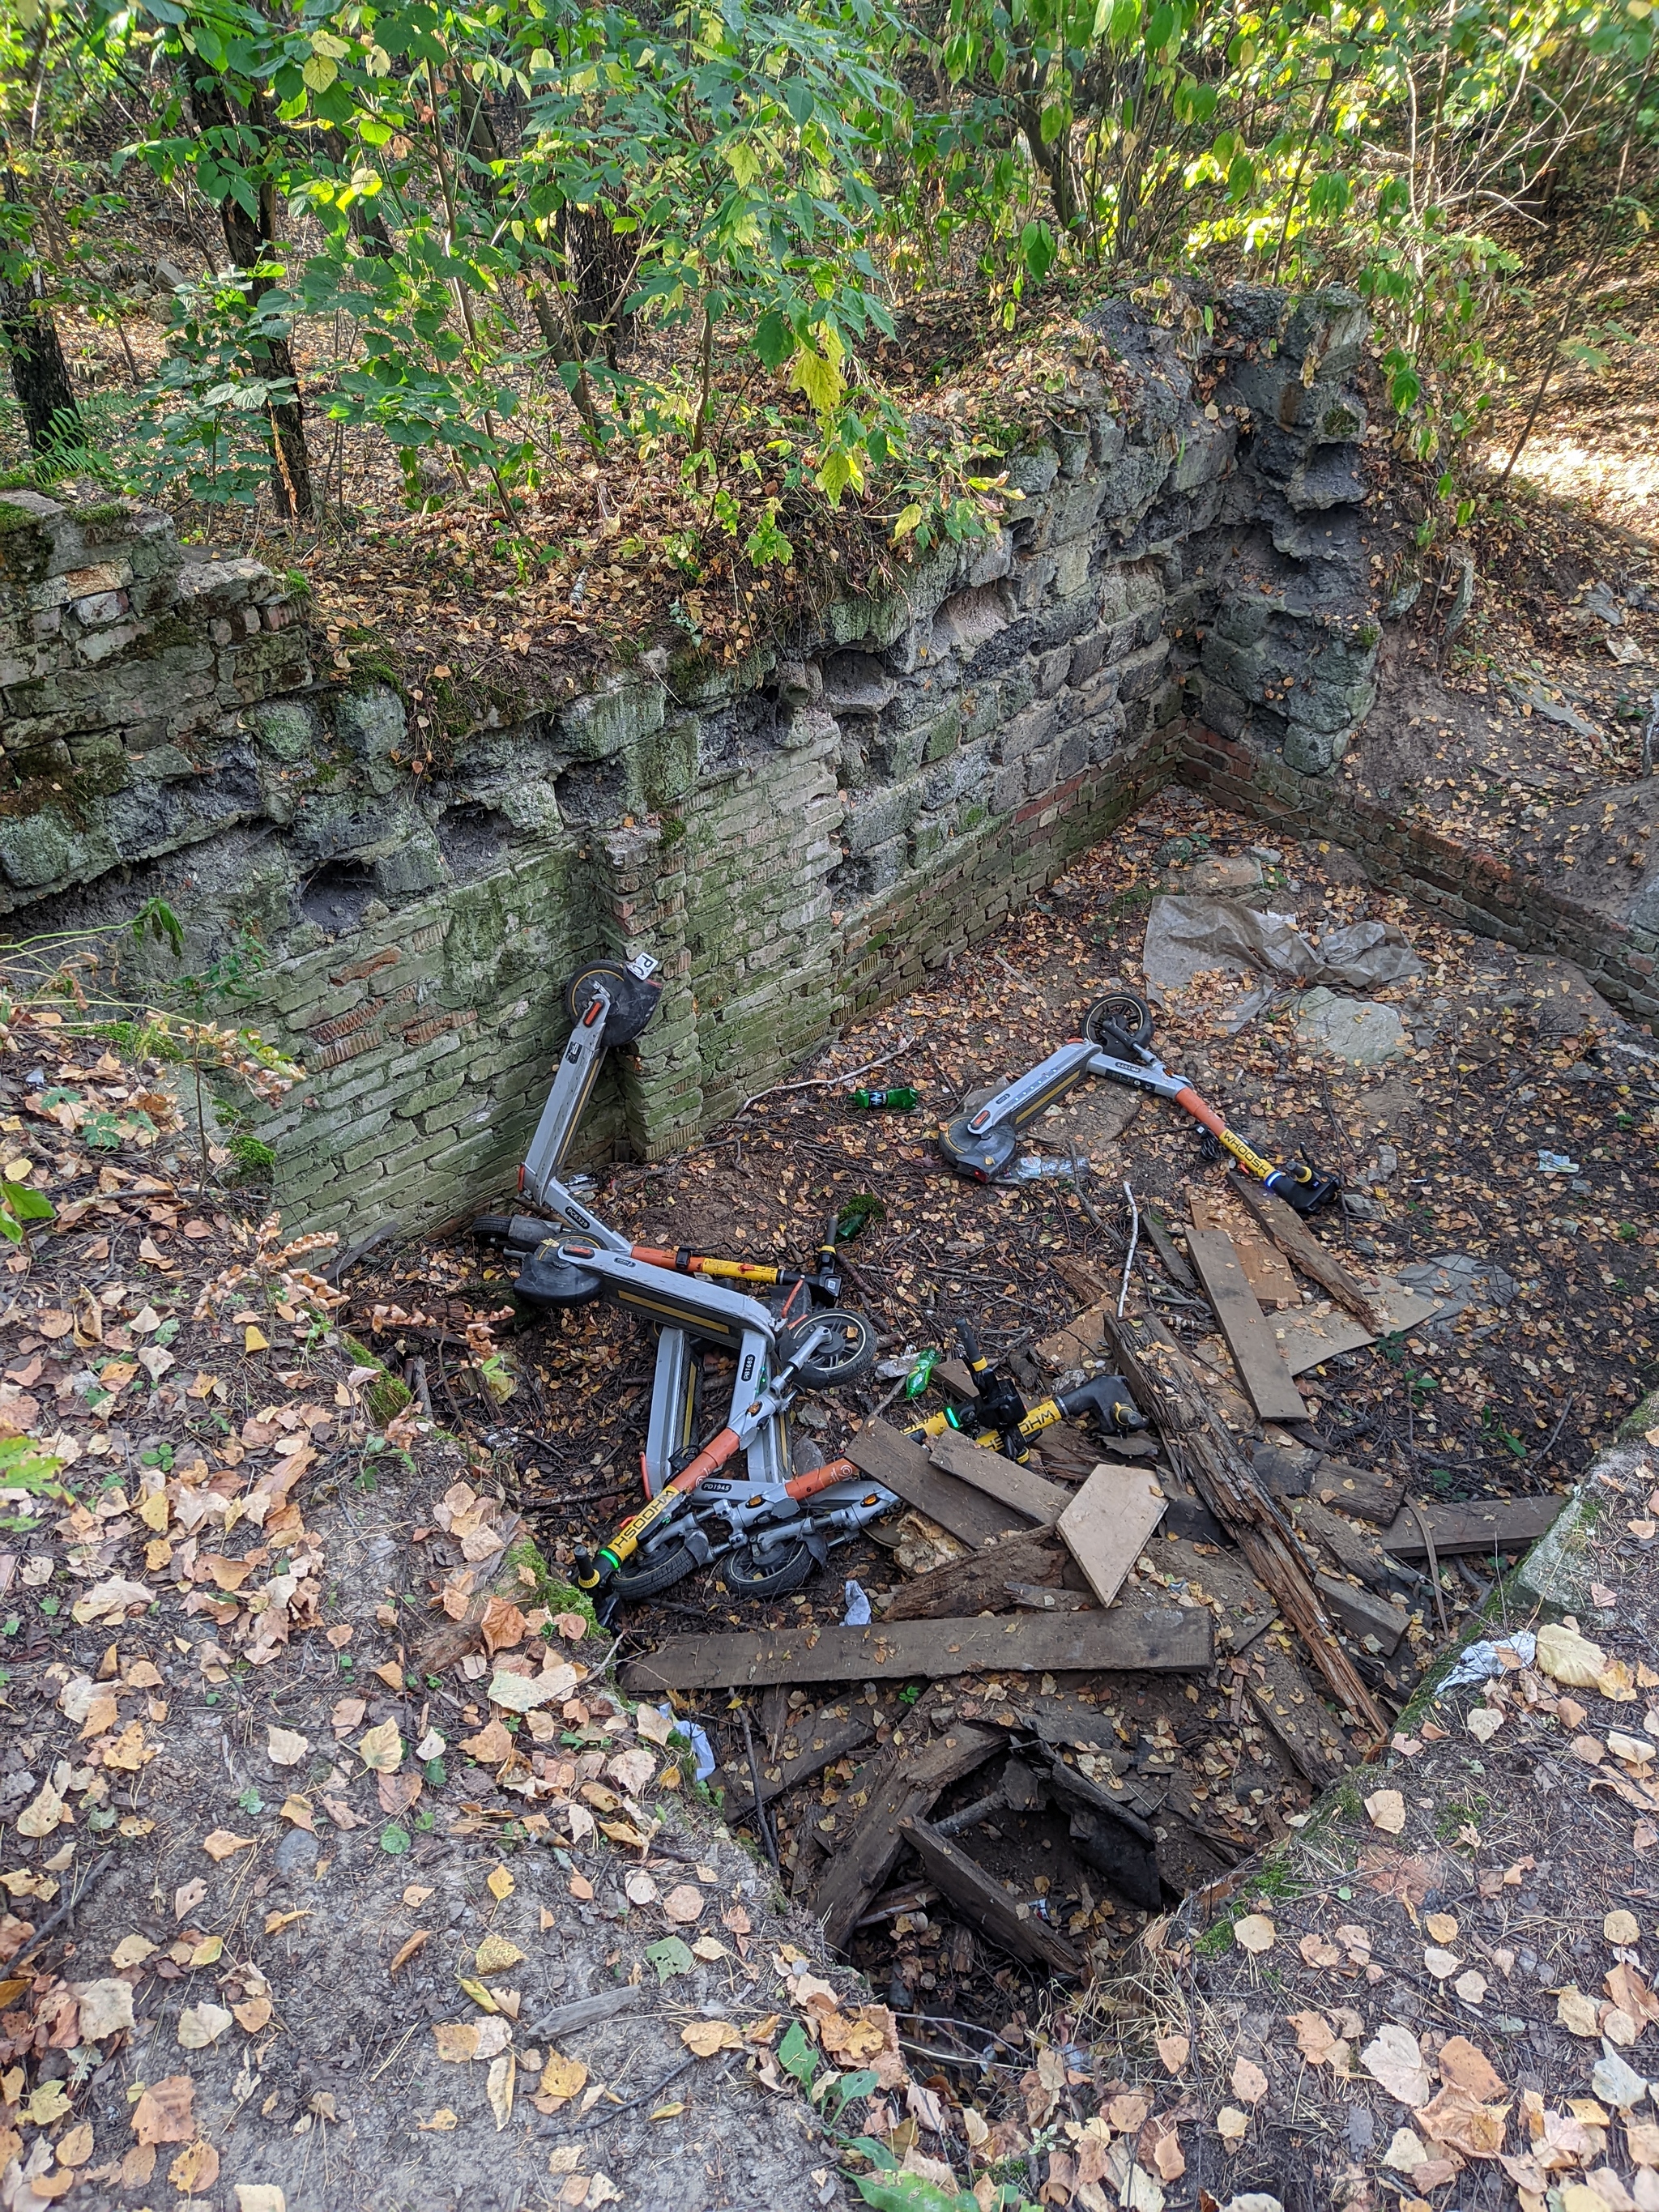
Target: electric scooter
1116, 1043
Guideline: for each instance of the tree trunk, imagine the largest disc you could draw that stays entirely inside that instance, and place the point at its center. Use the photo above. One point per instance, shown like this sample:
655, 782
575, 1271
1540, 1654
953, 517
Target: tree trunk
246, 241
40, 374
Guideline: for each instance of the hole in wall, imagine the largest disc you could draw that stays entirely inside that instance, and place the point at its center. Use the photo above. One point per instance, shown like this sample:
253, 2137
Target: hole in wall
472, 838
338, 896
591, 792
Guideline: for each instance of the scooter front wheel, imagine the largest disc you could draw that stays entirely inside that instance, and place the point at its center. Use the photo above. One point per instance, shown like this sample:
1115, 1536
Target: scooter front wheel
1119, 1014
751, 1573
659, 1571
843, 1354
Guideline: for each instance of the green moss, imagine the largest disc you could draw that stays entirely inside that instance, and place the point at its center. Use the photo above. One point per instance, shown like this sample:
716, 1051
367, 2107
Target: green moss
386, 1396
674, 831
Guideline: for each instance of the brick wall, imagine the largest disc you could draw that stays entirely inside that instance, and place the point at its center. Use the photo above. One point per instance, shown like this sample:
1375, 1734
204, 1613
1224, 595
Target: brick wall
795, 840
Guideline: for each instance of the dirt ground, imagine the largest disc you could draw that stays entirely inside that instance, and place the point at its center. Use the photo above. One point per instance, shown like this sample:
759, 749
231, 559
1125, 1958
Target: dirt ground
234, 1753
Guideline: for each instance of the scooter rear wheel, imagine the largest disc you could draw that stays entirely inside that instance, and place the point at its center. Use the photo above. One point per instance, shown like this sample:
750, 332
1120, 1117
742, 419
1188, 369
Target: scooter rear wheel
749, 1573
1121, 1013
632, 1002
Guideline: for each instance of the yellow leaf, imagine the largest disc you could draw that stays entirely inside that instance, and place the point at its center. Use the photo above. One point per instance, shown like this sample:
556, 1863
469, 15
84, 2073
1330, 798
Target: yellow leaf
382, 1748
563, 2078
499, 1882
1388, 1810
153, 1510
1254, 1933
132, 1951
276, 1921
75, 2148
195, 2168
457, 2041
255, 1340
253, 2015
496, 1955
441, 2121
705, 2036
477, 1992
1566, 1656
48, 2104
819, 379
207, 1952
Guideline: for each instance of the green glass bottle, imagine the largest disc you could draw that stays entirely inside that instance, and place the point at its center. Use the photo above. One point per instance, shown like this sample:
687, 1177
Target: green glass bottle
903, 1100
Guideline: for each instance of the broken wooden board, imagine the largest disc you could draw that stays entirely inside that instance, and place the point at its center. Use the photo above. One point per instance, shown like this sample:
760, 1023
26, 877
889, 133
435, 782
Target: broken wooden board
864, 1856
1369, 1493
1036, 1598
1296, 1716
1493, 1524
1266, 1270
1363, 1614
1250, 1339
1244, 1609
1354, 1552
976, 1584
1011, 1927
1298, 1244
1071, 1346
900, 1465
1315, 1333
1000, 1478
1129, 1637
822, 1741
1106, 1525
1158, 1238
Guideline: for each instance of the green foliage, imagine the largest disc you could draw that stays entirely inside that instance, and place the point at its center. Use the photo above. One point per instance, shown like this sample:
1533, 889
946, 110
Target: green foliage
23, 1466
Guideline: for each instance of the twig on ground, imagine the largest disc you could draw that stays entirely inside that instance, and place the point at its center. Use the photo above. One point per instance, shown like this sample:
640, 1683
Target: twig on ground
1421, 1519
1134, 1239
819, 1082
760, 1821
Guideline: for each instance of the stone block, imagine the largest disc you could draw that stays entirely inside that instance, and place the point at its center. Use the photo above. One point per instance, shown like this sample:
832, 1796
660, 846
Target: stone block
1023, 733
603, 723
876, 816
1138, 676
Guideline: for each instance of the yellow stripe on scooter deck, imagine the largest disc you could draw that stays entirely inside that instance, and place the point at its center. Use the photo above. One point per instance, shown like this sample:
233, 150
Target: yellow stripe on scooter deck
1129, 1638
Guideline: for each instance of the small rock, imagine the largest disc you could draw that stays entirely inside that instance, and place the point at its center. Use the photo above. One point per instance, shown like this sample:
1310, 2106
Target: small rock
1216, 873
1350, 1029
297, 1852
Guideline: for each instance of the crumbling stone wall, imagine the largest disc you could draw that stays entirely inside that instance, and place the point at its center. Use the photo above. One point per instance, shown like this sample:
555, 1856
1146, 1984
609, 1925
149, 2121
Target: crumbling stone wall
794, 840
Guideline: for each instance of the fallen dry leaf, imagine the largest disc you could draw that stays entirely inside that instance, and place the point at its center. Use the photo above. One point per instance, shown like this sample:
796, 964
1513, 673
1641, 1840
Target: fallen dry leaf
1577, 2013
496, 1955
1394, 2058
499, 1882
422, 1935
499, 2088
1566, 1656
1248, 2081
1622, 1927
221, 1844
683, 1904
1231, 2125
1386, 1809
381, 1749
285, 1747
202, 2024
705, 2036
1173, 2051
195, 2168
561, 2078
166, 2114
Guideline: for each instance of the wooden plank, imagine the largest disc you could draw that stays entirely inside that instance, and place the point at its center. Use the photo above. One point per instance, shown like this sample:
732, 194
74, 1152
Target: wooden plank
900, 1465
1296, 1718
977, 1583
1298, 1244
1158, 1238
1070, 1346
1266, 1270
1249, 1338
1316, 1333
1034, 1597
987, 1905
1106, 1525
1494, 1524
1245, 1607
1000, 1478
1363, 1614
1369, 1493
821, 1741
1162, 1638
863, 1859
1354, 1552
